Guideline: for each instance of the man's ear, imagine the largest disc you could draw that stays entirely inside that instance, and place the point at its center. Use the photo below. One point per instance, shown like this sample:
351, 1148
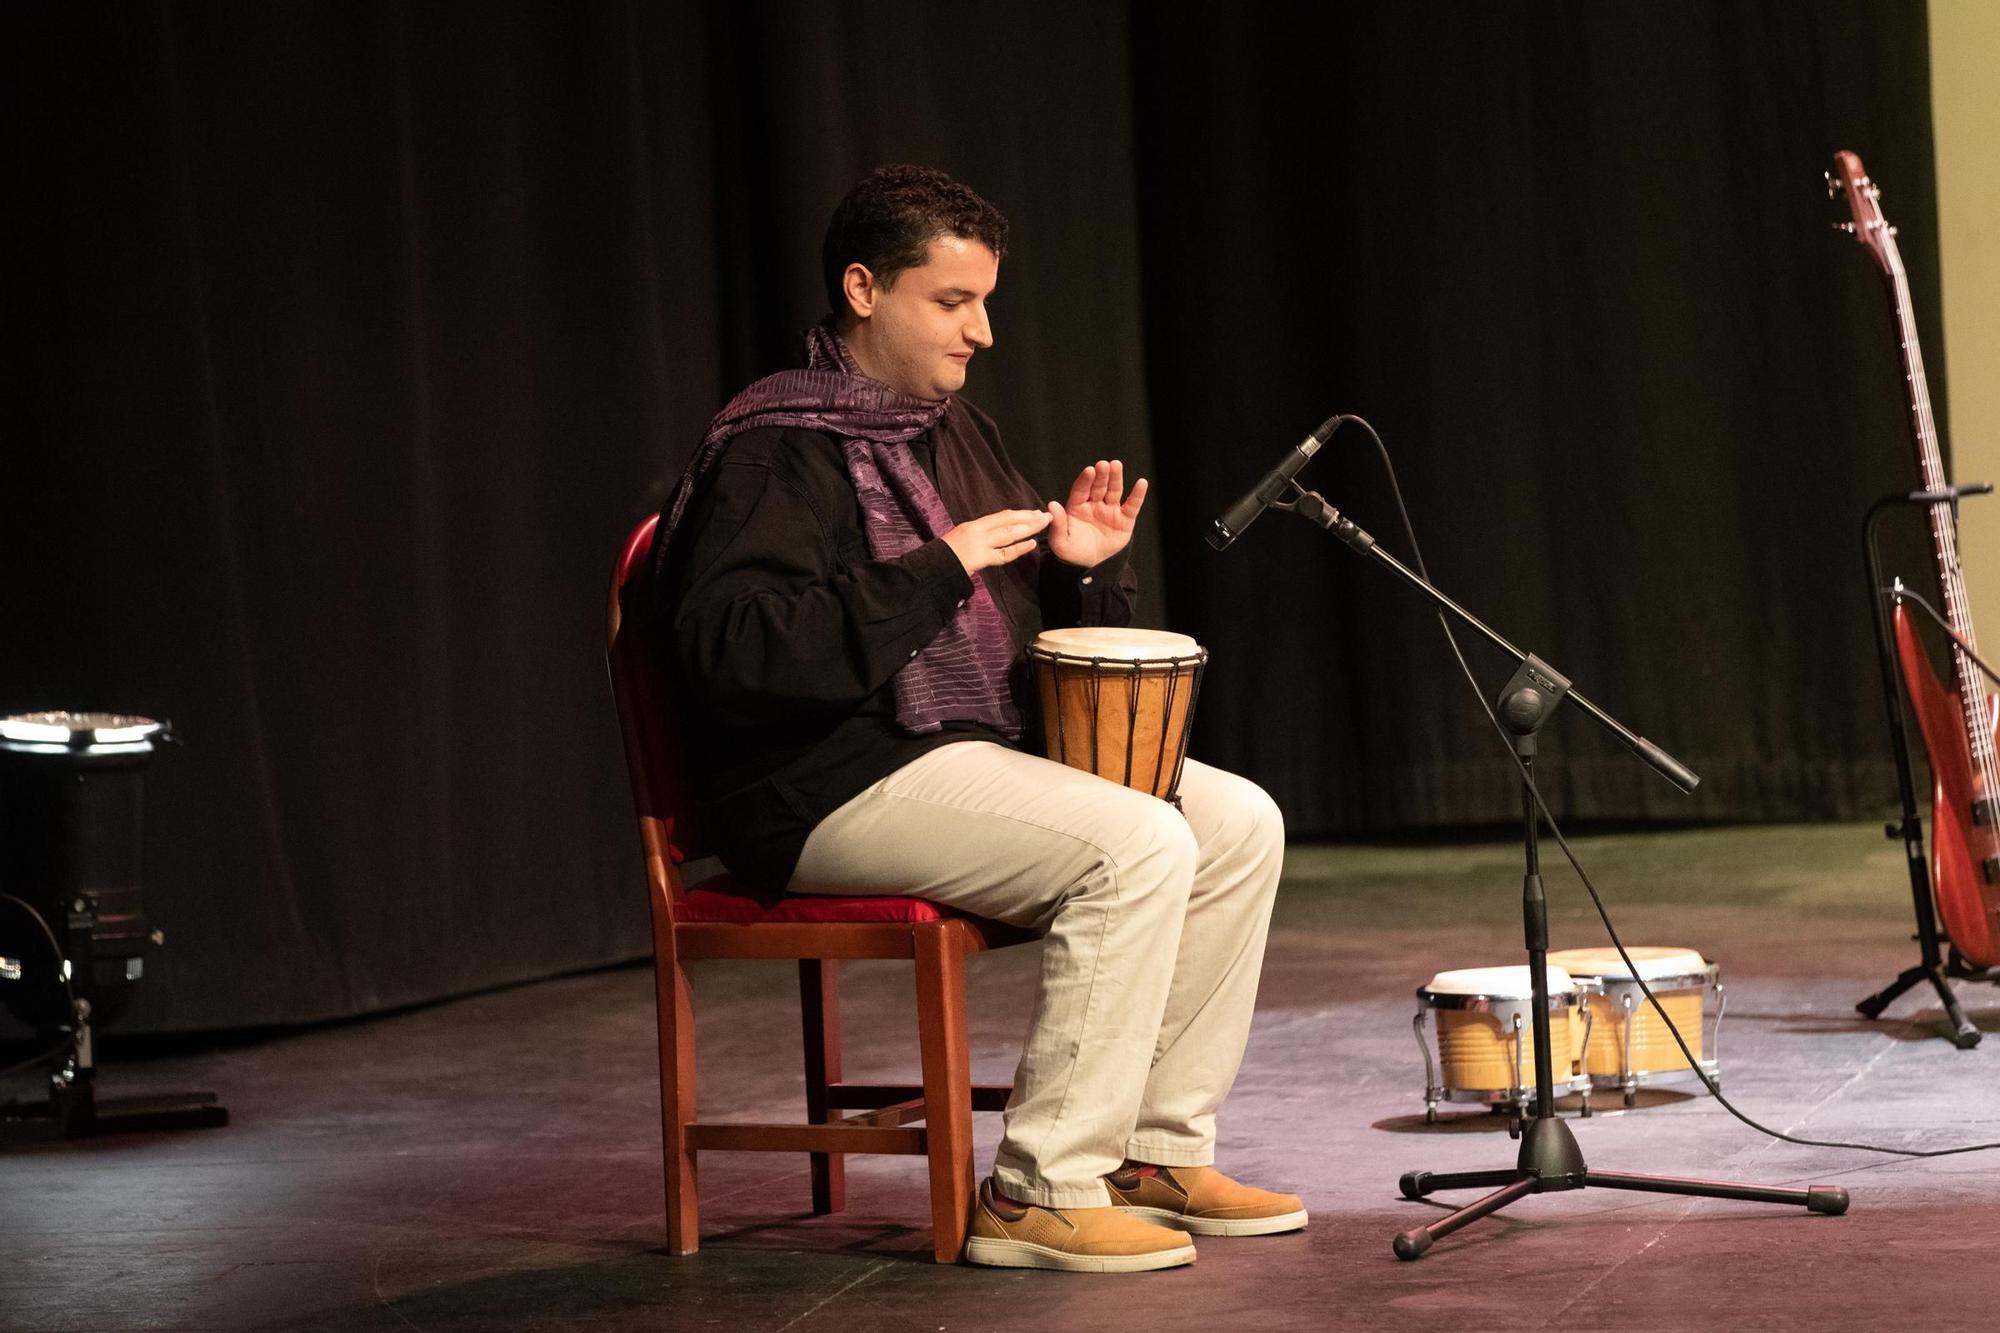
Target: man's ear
861, 289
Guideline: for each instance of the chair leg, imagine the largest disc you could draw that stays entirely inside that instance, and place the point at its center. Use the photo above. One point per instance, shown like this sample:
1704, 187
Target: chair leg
819, 1005
677, 1104
947, 1058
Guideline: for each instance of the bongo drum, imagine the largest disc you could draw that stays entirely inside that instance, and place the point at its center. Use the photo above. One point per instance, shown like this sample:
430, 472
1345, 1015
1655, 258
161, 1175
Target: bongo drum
1630, 1046
1485, 1020
1119, 702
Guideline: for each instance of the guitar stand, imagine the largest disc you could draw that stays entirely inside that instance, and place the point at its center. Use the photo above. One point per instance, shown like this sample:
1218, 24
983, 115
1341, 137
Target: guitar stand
1933, 965
1550, 1161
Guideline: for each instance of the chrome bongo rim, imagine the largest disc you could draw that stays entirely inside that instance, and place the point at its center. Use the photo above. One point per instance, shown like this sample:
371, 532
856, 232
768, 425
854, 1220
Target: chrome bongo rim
1656, 1077
1495, 1003
1562, 1087
1682, 982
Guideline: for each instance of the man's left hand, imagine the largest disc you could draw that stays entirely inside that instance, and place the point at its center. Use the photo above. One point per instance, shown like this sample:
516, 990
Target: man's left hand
1097, 522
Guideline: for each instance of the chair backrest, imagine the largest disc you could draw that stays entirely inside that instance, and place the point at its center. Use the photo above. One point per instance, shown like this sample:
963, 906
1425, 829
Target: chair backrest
641, 689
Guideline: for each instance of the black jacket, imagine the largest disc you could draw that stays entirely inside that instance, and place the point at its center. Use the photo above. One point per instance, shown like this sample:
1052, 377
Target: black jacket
786, 633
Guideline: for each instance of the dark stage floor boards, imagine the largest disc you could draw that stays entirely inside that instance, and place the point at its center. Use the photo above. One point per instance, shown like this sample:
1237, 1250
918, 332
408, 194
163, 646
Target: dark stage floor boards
495, 1162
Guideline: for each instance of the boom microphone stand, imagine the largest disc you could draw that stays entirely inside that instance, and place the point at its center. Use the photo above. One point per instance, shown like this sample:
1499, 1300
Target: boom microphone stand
1550, 1159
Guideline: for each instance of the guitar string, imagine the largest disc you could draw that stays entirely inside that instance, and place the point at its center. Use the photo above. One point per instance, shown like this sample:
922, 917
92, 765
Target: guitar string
1548, 816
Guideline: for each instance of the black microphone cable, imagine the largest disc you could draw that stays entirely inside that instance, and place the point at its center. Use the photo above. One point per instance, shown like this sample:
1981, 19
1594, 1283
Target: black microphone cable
1541, 806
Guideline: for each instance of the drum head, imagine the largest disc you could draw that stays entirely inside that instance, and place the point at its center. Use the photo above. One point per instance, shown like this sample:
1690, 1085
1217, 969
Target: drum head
1653, 962
1116, 642
1508, 983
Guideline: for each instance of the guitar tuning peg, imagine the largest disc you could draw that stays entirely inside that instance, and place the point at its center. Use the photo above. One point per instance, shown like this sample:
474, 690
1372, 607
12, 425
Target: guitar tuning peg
1847, 227
1832, 185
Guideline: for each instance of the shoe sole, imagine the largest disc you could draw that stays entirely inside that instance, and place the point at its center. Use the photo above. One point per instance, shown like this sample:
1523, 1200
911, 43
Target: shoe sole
1221, 1226
995, 1252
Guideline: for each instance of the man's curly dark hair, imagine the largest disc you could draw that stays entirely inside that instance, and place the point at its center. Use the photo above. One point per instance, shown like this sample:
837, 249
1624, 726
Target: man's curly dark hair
888, 221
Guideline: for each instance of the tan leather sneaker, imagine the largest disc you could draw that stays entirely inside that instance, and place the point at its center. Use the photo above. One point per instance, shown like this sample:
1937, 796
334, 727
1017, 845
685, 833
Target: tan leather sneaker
1075, 1240
1202, 1200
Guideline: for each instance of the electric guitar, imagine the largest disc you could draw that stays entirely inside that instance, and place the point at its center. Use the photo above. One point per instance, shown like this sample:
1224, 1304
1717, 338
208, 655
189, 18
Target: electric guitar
1957, 723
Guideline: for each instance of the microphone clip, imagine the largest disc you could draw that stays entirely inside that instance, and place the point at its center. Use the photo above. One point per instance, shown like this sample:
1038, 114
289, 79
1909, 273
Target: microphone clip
1314, 509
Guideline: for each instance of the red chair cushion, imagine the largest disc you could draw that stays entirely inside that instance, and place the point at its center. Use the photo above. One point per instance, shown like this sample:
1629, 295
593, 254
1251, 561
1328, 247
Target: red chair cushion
709, 905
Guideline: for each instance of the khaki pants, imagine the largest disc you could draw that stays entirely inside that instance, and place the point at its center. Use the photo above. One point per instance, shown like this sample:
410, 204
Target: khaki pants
1156, 927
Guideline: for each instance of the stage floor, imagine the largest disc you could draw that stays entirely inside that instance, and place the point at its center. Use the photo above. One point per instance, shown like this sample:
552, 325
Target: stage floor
495, 1162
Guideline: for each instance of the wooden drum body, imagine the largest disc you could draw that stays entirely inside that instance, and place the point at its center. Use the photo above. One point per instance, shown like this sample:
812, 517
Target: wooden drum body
1631, 1046
1485, 1018
1119, 702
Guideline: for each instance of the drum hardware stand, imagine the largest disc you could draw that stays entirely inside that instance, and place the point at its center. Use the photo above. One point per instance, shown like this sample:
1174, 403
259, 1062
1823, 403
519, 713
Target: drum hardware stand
1932, 965
73, 1109
72, 864
1550, 1159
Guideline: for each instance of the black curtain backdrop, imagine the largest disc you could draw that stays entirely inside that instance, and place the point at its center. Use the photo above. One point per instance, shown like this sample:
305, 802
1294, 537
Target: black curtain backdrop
346, 341
1574, 262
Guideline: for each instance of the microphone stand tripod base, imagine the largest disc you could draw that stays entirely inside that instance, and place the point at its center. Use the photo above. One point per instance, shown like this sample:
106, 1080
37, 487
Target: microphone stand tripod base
1550, 1162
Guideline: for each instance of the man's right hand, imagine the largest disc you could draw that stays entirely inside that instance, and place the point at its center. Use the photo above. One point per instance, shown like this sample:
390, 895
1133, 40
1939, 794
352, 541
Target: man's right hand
997, 538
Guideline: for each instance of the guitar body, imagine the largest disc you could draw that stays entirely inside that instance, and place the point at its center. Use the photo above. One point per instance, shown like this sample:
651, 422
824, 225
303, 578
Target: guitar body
1968, 902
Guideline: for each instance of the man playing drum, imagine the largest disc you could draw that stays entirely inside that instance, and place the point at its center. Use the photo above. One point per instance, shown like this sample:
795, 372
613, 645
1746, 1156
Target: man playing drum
849, 571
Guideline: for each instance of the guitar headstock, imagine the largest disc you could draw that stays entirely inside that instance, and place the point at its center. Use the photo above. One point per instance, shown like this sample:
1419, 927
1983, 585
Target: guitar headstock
1864, 201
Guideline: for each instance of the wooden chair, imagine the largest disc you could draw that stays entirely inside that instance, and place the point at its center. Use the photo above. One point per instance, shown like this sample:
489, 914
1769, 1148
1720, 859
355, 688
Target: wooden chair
707, 921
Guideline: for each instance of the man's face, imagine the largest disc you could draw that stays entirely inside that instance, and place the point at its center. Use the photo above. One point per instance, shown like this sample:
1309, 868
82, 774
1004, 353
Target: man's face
918, 335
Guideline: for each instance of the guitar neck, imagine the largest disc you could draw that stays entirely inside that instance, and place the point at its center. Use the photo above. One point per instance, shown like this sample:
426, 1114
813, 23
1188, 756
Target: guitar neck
1930, 461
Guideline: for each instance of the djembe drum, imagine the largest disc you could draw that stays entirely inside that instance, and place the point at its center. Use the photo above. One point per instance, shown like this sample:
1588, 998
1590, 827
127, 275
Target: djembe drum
1119, 702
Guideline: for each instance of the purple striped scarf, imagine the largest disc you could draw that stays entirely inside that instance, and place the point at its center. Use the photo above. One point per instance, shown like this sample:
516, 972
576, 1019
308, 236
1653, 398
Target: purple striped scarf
962, 674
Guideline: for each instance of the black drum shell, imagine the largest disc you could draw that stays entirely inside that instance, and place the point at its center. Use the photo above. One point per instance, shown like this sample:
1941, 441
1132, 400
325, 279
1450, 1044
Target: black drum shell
71, 822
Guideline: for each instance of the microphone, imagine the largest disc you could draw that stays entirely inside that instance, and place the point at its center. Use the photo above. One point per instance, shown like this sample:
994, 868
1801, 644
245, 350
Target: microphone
1244, 512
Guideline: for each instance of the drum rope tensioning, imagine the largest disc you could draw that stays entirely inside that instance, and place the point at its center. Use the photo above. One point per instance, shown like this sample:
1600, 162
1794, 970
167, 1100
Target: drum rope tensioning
1119, 702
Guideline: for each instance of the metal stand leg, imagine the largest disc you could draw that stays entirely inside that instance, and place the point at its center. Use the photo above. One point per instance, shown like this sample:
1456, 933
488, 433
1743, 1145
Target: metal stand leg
74, 1110
1964, 1034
